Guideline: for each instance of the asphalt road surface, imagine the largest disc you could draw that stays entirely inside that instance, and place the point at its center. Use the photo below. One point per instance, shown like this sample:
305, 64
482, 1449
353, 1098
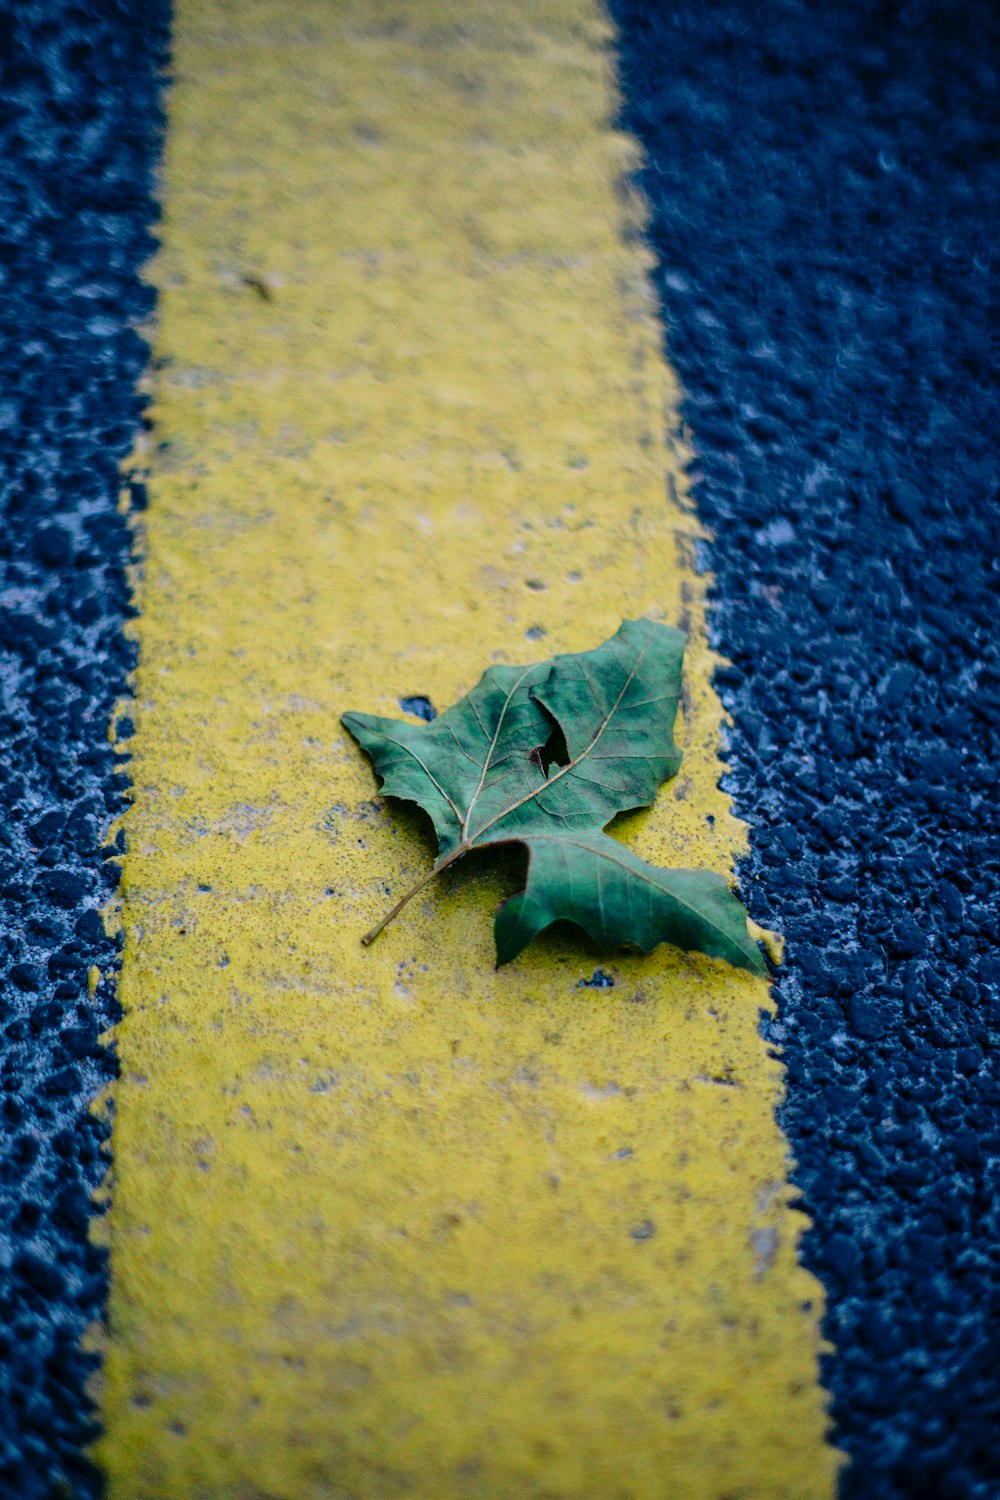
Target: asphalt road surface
79, 128
824, 183
824, 190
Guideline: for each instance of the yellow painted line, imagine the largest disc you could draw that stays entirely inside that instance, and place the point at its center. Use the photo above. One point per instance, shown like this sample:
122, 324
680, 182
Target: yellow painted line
387, 1222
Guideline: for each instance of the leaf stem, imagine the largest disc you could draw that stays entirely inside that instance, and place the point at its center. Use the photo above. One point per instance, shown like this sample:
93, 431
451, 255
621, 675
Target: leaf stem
414, 890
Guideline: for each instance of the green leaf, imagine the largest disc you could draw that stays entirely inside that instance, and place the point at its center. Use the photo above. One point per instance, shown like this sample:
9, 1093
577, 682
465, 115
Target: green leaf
546, 756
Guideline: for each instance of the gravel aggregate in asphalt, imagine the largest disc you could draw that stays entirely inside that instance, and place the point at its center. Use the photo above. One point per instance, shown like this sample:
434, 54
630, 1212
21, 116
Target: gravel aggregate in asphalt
79, 129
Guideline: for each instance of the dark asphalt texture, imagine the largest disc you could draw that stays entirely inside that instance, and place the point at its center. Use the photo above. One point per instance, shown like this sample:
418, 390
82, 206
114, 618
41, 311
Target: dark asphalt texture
79, 139
825, 188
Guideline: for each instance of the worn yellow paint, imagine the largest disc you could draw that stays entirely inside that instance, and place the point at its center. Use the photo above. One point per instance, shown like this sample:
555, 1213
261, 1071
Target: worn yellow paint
387, 1222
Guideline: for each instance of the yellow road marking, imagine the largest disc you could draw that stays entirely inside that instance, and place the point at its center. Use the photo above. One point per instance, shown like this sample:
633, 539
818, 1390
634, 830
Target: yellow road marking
387, 1222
